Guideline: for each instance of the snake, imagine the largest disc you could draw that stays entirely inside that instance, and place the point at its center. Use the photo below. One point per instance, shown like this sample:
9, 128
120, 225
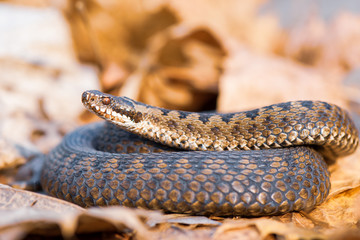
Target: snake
267, 161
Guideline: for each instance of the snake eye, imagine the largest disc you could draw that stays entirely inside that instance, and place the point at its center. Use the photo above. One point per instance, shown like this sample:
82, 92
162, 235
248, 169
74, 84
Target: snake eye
106, 101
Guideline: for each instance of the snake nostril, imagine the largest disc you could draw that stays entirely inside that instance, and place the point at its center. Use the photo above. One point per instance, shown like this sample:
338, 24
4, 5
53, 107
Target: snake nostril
85, 97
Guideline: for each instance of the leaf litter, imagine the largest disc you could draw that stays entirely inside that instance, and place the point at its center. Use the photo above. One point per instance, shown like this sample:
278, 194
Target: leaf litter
193, 57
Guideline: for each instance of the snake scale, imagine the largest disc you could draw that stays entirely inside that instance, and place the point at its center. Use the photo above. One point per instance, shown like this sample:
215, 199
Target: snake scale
101, 164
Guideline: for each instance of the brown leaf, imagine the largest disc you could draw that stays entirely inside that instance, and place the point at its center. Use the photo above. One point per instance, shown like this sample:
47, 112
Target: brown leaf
328, 46
341, 208
175, 54
25, 213
9, 155
182, 71
255, 81
263, 228
30, 221
237, 20
11, 198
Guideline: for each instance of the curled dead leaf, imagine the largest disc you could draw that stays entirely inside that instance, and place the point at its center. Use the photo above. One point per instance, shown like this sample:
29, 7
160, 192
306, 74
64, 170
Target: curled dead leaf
181, 71
68, 223
25, 213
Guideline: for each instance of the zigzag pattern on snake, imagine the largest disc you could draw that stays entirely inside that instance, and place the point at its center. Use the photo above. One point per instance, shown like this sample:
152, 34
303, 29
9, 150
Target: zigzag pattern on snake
266, 161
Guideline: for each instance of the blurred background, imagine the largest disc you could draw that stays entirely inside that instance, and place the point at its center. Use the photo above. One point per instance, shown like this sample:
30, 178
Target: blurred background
207, 55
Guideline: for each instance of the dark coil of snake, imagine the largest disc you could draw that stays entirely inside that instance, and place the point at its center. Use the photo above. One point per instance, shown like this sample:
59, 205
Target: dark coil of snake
285, 170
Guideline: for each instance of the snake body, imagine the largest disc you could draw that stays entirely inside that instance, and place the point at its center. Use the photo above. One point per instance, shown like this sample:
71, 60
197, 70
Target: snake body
211, 172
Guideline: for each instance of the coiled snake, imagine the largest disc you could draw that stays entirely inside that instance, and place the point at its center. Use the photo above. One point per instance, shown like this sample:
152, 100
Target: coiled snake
276, 176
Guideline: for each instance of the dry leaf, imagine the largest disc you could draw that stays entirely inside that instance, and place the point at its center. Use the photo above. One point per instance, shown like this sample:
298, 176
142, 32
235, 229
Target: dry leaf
186, 73
341, 208
340, 211
9, 155
176, 55
171, 61
251, 81
263, 228
11, 198
38, 222
329, 46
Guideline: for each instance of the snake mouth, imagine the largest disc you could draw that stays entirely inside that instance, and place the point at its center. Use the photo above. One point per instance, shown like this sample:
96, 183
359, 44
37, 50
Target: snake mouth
94, 102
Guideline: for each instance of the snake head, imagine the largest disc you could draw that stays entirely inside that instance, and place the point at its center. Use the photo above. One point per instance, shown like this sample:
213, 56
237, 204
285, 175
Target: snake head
119, 110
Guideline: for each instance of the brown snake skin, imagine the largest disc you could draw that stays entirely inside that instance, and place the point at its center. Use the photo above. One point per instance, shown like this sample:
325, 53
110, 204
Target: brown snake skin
278, 175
